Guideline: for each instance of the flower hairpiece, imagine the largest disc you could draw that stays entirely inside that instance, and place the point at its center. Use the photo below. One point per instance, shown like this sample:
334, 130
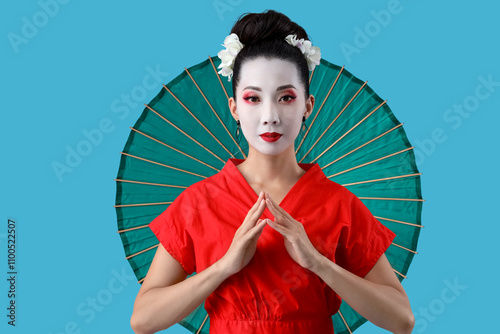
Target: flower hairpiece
233, 47
312, 53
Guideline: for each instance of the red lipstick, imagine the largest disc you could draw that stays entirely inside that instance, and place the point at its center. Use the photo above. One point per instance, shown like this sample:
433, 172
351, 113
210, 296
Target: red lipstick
270, 136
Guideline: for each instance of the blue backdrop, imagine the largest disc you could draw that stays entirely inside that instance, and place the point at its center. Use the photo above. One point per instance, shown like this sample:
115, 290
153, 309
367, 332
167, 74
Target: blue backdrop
71, 68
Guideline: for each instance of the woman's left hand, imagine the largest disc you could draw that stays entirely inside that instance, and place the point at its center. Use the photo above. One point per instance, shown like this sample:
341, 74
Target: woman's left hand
297, 242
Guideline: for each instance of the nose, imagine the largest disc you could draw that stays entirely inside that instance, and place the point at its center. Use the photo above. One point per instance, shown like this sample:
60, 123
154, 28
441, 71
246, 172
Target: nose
270, 115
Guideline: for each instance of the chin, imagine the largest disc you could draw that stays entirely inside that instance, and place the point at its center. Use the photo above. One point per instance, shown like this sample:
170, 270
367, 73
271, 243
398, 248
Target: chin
272, 149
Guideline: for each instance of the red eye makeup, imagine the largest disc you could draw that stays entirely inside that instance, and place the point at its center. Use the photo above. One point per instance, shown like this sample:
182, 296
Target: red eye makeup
289, 95
290, 92
249, 97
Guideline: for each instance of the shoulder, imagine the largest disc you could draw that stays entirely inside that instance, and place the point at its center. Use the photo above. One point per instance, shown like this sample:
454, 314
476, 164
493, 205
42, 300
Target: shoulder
338, 198
335, 190
203, 189
188, 204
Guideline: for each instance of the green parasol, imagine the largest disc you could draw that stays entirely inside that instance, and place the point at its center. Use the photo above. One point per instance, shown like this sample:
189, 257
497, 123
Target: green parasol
186, 134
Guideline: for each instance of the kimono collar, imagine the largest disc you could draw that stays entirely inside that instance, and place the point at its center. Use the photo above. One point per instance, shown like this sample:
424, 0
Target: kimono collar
307, 182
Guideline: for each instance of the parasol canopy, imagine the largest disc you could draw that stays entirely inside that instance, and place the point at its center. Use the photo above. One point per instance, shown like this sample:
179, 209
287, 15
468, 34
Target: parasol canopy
186, 134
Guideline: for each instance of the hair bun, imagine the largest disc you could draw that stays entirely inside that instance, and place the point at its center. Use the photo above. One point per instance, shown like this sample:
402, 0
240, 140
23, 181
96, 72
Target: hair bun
254, 28
265, 35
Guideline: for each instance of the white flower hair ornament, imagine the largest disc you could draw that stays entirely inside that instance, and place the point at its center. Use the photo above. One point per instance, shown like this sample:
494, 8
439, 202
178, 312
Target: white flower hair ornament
233, 46
312, 53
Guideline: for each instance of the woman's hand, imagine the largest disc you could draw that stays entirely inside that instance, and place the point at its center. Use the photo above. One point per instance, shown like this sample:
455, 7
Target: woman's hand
297, 242
244, 242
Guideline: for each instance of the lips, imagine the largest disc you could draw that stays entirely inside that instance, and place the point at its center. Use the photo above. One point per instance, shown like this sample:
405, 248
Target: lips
270, 136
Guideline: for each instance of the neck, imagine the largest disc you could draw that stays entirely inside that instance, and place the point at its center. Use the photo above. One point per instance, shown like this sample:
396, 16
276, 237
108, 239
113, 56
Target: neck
271, 169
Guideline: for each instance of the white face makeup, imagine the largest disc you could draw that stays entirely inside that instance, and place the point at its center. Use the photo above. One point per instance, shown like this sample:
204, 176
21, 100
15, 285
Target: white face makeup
270, 99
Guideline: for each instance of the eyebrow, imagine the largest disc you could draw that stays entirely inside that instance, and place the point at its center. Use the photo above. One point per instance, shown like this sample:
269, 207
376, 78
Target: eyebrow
277, 89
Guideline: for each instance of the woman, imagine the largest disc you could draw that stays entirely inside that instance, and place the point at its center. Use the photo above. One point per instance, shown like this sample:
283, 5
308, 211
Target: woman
322, 243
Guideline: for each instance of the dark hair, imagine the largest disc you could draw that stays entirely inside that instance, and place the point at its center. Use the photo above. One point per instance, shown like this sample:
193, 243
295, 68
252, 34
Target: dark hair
263, 35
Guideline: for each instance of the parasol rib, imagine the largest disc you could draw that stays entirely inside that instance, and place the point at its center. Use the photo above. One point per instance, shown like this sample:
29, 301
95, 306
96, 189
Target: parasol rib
397, 272
217, 115
142, 251
394, 199
175, 126
152, 184
345, 323
199, 122
203, 323
409, 250
173, 148
142, 279
368, 142
376, 180
140, 204
157, 163
341, 112
317, 113
345, 134
131, 229
399, 221
218, 77
223, 88
312, 73
371, 162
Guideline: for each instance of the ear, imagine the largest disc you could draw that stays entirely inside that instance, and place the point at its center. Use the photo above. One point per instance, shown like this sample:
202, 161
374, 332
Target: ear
309, 105
232, 108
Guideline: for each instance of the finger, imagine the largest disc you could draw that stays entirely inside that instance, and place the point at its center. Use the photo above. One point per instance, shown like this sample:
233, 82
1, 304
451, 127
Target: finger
262, 206
256, 204
273, 204
278, 227
253, 232
256, 231
255, 207
277, 211
253, 214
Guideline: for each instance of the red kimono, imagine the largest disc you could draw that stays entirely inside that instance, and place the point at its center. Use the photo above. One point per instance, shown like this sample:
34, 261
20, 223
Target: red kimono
273, 293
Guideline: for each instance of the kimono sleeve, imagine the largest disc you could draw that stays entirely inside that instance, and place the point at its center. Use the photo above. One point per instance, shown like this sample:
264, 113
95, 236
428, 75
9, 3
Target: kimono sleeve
363, 239
170, 228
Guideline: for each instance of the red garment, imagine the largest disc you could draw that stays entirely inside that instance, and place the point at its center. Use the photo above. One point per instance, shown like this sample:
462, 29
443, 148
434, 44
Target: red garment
273, 293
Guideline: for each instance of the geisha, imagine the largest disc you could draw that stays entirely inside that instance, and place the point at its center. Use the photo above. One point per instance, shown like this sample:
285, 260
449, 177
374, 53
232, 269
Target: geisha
275, 244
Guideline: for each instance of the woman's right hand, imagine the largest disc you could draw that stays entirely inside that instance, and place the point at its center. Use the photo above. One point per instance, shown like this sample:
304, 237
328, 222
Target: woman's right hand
244, 243
158, 305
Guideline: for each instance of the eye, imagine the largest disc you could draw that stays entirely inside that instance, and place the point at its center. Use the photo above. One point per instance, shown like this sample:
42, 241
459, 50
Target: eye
288, 98
251, 98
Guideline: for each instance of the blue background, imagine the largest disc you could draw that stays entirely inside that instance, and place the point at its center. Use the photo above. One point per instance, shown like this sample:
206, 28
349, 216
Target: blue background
69, 75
